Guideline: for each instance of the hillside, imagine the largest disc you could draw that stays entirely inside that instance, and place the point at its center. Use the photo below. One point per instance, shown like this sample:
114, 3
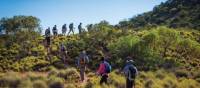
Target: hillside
172, 13
164, 45
177, 52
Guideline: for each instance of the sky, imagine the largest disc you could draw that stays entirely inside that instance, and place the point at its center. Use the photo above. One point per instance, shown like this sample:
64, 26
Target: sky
59, 12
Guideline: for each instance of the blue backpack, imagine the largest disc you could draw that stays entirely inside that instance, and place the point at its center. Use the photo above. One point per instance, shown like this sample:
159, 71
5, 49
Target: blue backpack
107, 67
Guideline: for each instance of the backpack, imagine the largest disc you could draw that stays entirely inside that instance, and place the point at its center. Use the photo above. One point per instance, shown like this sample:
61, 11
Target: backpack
47, 32
83, 61
71, 26
107, 67
132, 72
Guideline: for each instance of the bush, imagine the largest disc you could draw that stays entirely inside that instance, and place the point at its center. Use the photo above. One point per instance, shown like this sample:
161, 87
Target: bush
181, 73
10, 79
188, 83
26, 83
55, 82
53, 72
72, 74
117, 80
33, 76
39, 84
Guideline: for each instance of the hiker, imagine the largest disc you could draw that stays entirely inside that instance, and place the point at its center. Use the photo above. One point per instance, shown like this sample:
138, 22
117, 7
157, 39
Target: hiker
63, 53
103, 70
83, 60
47, 36
80, 28
55, 31
64, 29
89, 27
130, 72
71, 28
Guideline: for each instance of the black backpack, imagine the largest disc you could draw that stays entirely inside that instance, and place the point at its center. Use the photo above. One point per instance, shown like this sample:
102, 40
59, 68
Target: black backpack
132, 72
47, 32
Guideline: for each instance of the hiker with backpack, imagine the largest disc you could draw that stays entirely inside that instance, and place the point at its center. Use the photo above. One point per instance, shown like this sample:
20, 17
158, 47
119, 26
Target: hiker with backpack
71, 28
55, 31
63, 53
64, 29
103, 70
130, 72
83, 60
80, 28
47, 36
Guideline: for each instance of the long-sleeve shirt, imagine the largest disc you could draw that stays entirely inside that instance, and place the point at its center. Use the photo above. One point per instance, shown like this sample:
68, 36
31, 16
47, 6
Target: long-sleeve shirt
127, 71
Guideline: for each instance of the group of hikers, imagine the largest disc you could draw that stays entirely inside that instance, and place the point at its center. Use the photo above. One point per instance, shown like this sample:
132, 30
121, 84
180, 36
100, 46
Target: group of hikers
64, 29
83, 59
105, 67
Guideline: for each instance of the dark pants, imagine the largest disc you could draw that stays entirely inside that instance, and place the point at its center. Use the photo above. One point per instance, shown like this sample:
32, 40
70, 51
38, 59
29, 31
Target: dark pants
130, 83
48, 41
71, 30
82, 73
104, 79
55, 33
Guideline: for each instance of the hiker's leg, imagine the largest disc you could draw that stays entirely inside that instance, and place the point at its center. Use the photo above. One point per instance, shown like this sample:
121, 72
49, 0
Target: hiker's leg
69, 32
133, 83
82, 74
128, 83
106, 79
101, 81
48, 41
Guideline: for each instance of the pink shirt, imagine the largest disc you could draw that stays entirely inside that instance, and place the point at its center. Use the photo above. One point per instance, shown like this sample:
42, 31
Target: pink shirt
101, 69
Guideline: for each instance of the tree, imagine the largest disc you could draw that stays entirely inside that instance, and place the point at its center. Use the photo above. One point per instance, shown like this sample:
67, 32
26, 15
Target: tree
16, 23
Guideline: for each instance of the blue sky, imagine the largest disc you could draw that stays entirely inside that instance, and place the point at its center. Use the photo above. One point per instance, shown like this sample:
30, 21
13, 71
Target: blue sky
58, 12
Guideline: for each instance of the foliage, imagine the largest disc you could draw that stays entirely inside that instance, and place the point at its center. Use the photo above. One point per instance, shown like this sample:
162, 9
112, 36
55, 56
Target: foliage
17, 23
172, 13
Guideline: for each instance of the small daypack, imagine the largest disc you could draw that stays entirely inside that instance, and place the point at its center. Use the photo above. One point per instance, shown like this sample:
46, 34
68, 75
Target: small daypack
83, 61
107, 67
132, 73
47, 32
71, 26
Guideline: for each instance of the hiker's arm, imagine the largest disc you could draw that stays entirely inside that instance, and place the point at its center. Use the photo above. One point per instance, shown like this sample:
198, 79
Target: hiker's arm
136, 71
87, 59
77, 62
125, 70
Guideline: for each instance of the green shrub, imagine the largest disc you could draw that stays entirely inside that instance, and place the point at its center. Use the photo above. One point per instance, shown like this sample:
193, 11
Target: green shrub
26, 83
181, 73
39, 84
53, 72
188, 83
117, 80
55, 82
69, 85
72, 74
33, 76
10, 79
